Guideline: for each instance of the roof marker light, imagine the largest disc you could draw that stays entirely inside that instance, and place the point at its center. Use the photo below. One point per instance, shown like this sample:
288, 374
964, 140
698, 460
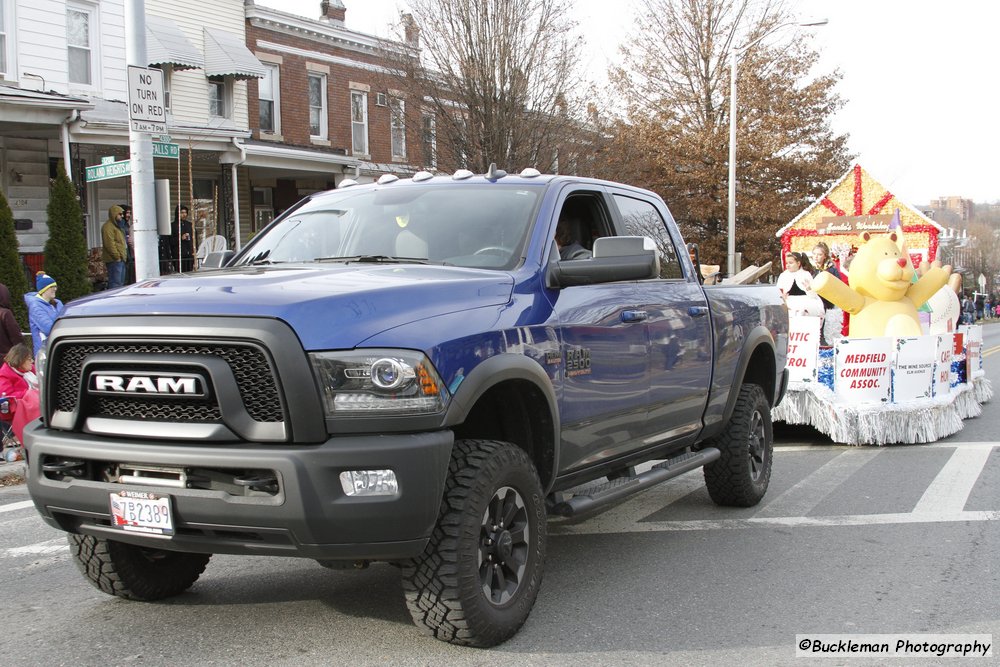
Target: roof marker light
422, 176
387, 178
346, 183
530, 172
462, 174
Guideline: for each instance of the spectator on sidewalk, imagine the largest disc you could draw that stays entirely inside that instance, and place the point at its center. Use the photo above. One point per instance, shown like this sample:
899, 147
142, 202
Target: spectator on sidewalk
126, 226
115, 251
182, 240
18, 381
43, 309
10, 330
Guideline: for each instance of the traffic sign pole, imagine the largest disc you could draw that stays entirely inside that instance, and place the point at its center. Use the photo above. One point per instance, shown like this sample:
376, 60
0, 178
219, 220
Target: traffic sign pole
146, 239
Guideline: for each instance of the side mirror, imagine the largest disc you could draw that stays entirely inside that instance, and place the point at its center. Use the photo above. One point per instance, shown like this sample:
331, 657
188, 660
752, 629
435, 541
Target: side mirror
616, 258
217, 260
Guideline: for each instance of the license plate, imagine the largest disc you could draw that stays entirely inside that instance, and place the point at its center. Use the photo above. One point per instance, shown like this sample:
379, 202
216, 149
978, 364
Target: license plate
141, 512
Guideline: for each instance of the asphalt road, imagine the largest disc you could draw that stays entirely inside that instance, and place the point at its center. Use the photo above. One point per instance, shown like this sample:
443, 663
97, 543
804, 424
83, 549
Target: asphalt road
848, 540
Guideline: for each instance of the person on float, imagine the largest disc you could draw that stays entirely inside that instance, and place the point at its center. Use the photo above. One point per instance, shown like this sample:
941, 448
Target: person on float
795, 285
833, 317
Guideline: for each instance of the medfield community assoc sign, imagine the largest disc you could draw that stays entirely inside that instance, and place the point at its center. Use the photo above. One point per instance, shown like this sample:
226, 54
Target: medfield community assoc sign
862, 370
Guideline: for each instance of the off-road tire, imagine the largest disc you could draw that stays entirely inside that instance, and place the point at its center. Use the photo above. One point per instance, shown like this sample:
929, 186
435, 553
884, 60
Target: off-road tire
446, 586
135, 573
739, 477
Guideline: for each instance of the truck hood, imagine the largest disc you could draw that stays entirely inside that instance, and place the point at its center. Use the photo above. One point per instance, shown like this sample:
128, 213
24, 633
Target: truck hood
329, 306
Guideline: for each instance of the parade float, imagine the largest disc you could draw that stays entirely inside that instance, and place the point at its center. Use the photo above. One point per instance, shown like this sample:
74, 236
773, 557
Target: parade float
905, 371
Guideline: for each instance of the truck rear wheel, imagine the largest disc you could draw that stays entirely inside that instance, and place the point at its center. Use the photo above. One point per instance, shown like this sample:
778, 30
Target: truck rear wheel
135, 573
739, 477
480, 573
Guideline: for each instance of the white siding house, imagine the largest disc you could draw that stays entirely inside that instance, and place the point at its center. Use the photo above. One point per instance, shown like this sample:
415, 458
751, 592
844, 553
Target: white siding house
63, 76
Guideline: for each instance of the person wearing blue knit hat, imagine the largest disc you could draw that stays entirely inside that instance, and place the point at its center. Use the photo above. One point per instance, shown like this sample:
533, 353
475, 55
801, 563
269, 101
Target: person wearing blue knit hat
43, 309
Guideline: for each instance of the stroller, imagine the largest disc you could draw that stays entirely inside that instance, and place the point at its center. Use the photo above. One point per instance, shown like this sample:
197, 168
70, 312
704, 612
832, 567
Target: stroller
11, 449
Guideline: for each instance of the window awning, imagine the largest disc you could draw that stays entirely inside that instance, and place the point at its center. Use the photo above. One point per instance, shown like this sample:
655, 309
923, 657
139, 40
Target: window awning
227, 55
167, 45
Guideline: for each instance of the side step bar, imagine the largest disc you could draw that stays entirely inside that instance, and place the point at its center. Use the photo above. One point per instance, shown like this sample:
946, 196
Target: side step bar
609, 492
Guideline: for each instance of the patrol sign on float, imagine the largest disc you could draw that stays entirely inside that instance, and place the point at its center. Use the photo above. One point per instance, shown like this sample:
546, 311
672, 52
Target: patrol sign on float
146, 111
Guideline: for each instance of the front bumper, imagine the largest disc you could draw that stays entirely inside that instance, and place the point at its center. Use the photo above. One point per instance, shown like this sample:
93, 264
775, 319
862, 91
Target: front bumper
308, 515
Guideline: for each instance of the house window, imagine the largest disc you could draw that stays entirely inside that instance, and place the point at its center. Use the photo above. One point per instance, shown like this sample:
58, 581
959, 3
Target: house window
80, 24
397, 127
3, 37
268, 91
219, 104
359, 122
317, 106
428, 140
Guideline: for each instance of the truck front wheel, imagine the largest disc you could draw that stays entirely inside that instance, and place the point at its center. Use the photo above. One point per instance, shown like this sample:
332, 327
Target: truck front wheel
739, 477
135, 573
480, 573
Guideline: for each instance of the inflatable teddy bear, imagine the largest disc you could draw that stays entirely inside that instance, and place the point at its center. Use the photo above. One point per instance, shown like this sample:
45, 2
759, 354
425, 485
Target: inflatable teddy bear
881, 297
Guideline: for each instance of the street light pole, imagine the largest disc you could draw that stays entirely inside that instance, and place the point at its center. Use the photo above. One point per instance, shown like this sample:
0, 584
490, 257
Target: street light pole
733, 54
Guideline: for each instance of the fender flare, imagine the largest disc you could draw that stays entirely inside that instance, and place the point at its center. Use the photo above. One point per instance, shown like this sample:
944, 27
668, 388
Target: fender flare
496, 370
758, 336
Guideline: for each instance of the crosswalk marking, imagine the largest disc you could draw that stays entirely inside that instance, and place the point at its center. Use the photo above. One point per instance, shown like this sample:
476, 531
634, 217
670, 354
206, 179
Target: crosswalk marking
39, 548
809, 492
943, 501
16, 506
785, 522
951, 488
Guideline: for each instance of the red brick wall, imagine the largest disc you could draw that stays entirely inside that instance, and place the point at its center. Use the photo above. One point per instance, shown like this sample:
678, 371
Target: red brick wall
294, 98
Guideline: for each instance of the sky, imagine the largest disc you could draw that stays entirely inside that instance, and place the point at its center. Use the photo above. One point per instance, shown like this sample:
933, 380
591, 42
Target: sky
919, 79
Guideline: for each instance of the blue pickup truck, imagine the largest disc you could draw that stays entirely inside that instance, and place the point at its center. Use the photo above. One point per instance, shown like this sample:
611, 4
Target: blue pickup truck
405, 371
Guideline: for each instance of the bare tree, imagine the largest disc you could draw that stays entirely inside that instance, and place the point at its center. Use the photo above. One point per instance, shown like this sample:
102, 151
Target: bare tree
497, 79
673, 137
982, 254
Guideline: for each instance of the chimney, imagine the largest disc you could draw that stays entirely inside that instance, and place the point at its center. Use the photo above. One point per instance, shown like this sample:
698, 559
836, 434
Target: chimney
411, 32
332, 11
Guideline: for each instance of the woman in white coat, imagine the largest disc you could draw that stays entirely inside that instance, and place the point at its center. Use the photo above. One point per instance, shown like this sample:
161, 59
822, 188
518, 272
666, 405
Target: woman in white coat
795, 284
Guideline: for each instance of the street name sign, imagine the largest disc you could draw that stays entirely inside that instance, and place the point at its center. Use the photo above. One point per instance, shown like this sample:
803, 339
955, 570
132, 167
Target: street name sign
161, 149
104, 171
145, 100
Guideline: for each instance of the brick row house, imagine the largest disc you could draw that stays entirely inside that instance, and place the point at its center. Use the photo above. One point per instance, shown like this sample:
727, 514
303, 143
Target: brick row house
324, 111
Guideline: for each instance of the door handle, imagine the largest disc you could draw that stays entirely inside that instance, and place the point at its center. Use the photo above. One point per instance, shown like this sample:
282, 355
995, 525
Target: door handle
697, 311
634, 315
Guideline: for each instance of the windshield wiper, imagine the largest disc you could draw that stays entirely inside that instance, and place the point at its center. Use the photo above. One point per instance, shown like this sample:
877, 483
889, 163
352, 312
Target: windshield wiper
262, 262
376, 259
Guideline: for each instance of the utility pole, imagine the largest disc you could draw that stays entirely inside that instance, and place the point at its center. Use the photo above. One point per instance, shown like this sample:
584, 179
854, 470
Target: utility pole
147, 259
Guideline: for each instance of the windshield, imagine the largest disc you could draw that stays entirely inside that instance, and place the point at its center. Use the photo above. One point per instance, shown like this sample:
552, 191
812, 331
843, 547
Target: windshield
469, 225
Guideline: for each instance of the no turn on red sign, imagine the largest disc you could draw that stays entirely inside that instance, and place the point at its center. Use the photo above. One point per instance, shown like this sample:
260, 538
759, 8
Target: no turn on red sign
145, 100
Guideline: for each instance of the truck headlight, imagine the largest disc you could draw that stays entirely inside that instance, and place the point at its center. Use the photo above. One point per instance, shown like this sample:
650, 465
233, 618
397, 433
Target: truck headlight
40, 359
357, 383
